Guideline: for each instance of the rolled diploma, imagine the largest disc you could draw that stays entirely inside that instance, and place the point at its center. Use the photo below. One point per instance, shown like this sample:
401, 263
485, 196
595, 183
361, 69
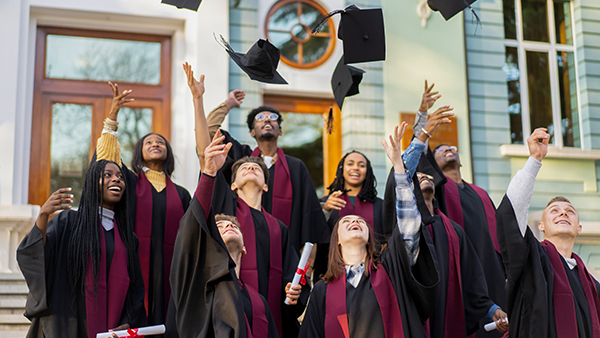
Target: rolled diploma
142, 331
491, 326
305, 254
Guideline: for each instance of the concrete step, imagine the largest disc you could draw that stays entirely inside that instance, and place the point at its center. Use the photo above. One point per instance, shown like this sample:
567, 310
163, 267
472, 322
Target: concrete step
7, 288
13, 319
11, 276
12, 302
13, 334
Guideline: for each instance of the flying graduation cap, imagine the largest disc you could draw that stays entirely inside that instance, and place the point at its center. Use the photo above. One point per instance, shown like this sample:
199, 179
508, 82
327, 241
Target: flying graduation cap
260, 62
362, 31
450, 8
345, 81
188, 4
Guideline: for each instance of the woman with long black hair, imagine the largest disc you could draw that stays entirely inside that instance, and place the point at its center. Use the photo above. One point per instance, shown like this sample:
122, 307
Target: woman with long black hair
82, 267
156, 204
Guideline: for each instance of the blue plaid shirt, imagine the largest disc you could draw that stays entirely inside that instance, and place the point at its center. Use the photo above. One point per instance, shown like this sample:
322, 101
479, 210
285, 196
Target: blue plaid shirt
408, 215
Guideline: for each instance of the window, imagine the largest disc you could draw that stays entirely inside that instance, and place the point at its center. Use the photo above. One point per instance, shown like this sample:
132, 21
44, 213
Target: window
72, 98
288, 26
541, 70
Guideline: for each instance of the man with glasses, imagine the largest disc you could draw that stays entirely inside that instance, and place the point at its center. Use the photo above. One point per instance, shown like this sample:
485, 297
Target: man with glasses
291, 197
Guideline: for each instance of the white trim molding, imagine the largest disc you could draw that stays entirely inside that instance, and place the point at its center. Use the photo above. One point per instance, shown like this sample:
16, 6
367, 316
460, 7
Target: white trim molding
520, 150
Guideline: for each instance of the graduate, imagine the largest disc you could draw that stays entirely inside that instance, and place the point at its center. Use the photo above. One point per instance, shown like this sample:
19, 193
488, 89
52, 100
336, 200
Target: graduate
354, 192
292, 197
550, 291
271, 260
82, 267
156, 204
462, 302
367, 294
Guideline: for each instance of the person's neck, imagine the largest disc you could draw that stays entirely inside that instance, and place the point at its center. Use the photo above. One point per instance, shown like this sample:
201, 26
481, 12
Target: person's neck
564, 245
252, 196
268, 147
354, 254
453, 172
155, 165
237, 259
428, 198
351, 191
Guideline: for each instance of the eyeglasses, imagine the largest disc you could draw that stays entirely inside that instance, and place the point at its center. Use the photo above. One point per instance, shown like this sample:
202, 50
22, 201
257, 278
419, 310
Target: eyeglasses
262, 117
453, 148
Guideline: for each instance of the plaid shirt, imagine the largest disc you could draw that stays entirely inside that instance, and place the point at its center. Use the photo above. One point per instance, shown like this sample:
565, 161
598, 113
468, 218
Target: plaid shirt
408, 215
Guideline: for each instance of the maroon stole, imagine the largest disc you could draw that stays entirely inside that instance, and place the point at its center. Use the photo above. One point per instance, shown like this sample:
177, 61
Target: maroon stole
562, 295
282, 188
260, 324
103, 310
363, 209
248, 271
455, 212
143, 229
336, 317
454, 321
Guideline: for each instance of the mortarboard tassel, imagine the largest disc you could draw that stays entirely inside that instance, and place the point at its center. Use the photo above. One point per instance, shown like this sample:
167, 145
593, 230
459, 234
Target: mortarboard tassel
321, 22
475, 15
329, 122
223, 42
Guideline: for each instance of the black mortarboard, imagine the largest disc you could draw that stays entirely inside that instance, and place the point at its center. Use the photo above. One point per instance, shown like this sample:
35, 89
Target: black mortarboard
450, 8
344, 81
189, 4
260, 62
362, 31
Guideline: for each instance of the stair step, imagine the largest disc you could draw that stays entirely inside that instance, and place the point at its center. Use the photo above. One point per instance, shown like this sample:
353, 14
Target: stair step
11, 276
13, 334
13, 302
13, 319
20, 289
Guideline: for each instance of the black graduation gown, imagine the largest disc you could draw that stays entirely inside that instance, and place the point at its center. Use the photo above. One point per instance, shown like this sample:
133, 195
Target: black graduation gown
475, 297
307, 222
416, 291
53, 306
531, 279
156, 299
225, 202
206, 298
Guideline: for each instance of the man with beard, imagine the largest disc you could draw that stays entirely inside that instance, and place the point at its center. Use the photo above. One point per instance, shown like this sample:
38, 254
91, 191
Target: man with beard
291, 197
463, 298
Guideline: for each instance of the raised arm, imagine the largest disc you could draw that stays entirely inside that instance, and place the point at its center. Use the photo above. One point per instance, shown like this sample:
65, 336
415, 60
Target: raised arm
200, 125
520, 189
217, 115
407, 214
107, 146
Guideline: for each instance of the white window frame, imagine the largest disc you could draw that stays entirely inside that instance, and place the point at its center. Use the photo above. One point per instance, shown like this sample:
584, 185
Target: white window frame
551, 48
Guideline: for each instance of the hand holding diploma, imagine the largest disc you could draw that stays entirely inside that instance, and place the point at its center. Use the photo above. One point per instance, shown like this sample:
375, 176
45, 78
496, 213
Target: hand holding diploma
142, 331
500, 322
292, 290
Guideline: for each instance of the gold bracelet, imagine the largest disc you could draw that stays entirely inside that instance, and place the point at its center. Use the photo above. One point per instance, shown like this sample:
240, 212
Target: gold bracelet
426, 133
111, 125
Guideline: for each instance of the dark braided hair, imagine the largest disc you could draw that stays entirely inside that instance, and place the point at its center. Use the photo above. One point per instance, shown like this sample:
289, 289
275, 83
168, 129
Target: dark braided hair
368, 193
85, 236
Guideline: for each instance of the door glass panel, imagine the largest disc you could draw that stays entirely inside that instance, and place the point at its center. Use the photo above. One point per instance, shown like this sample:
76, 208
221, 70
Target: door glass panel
303, 138
562, 20
510, 27
133, 124
85, 58
513, 83
568, 99
535, 20
70, 147
540, 105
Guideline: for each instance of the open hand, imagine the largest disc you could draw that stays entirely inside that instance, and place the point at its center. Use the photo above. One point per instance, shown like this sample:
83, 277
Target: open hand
118, 100
215, 154
434, 121
429, 98
196, 86
334, 201
394, 149
235, 98
538, 143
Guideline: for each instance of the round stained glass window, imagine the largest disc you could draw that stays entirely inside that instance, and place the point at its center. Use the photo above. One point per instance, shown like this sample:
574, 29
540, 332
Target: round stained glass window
288, 27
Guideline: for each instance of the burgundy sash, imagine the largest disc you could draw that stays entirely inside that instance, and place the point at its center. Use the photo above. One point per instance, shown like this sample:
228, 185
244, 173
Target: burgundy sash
143, 229
562, 295
455, 212
248, 271
336, 317
454, 321
282, 188
103, 311
363, 209
260, 324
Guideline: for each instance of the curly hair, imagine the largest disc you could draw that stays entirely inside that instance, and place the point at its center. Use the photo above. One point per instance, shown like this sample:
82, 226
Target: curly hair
368, 193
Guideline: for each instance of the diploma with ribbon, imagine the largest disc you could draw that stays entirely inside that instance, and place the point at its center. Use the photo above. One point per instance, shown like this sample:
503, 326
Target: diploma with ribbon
302, 267
142, 331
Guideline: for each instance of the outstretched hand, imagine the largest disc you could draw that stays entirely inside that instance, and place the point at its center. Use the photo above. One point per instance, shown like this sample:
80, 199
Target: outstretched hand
196, 86
429, 98
215, 154
434, 121
118, 100
394, 149
538, 143
235, 98
334, 201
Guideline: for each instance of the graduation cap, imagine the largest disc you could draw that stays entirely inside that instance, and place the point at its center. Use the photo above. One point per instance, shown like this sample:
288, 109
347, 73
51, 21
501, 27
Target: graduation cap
260, 62
450, 8
188, 4
362, 31
345, 81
